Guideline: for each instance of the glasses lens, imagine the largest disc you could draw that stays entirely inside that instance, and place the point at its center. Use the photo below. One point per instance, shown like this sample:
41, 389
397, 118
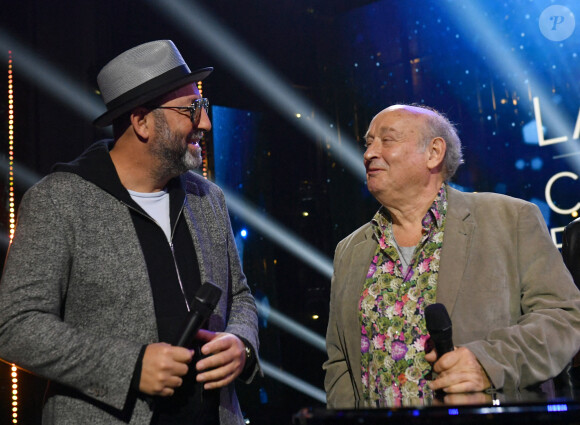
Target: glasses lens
196, 109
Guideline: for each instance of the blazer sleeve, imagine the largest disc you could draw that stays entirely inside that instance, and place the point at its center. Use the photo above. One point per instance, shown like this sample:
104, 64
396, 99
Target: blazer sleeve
546, 334
340, 391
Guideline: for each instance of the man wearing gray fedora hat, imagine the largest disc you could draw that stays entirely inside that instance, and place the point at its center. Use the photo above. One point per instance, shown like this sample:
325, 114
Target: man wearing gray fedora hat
108, 253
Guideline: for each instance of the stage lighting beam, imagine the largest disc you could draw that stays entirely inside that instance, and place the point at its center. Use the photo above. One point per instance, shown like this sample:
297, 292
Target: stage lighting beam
291, 326
278, 234
292, 381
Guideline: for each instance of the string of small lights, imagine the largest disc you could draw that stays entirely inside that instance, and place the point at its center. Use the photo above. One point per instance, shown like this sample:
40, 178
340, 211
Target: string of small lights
11, 146
203, 143
11, 215
14, 394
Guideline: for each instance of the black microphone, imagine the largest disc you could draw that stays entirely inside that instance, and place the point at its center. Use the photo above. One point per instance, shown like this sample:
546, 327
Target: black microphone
205, 300
439, 327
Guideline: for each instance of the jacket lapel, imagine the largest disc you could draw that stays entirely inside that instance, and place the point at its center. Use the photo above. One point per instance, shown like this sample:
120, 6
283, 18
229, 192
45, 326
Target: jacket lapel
196, 209
457, 241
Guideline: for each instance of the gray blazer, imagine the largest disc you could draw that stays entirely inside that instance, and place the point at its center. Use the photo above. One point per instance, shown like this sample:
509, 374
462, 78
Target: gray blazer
76, 304
510, 297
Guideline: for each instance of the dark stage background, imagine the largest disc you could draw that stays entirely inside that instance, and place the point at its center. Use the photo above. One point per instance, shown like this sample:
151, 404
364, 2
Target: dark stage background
295, 85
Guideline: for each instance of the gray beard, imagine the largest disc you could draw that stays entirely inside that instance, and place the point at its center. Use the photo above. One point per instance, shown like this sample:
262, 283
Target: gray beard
174, 158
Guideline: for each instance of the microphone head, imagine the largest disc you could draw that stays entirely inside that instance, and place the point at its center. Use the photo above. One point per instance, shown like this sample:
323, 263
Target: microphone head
208, 294
437, 318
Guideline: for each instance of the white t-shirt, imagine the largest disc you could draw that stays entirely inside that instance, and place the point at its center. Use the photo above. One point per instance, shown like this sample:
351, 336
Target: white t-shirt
155, 204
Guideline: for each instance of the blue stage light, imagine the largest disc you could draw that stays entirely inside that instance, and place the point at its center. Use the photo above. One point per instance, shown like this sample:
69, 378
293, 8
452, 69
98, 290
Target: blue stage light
537, 163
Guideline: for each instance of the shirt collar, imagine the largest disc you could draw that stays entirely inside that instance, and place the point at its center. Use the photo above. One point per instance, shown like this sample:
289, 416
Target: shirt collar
382, 220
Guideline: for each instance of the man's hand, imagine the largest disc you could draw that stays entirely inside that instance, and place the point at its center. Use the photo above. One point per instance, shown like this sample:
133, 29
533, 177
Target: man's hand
226, 359
163, 367
458, 372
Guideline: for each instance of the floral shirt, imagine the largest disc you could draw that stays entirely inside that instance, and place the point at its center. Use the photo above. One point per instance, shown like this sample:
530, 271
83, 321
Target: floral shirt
391, 311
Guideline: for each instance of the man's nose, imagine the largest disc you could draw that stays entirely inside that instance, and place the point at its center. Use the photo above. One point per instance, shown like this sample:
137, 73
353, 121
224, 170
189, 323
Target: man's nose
371, 151
204, 121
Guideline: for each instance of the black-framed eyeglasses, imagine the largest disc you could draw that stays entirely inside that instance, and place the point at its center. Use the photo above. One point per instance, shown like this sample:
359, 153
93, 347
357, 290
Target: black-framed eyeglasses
194, 109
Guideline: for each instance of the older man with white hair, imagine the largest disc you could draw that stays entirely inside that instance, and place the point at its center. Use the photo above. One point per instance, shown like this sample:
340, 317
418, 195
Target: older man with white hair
487, 258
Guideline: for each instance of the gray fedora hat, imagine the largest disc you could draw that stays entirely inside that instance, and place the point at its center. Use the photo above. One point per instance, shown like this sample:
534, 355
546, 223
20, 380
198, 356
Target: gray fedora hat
141, 74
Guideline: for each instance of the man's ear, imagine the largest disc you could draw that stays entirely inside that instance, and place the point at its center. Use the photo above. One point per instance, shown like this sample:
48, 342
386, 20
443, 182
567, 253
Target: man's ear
141, 121
436, 151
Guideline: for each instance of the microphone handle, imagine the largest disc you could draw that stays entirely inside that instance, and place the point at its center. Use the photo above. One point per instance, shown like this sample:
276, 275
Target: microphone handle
443, 344
192, 324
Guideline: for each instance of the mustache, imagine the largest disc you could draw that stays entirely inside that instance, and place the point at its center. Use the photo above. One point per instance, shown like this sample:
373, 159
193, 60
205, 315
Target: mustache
197, 134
